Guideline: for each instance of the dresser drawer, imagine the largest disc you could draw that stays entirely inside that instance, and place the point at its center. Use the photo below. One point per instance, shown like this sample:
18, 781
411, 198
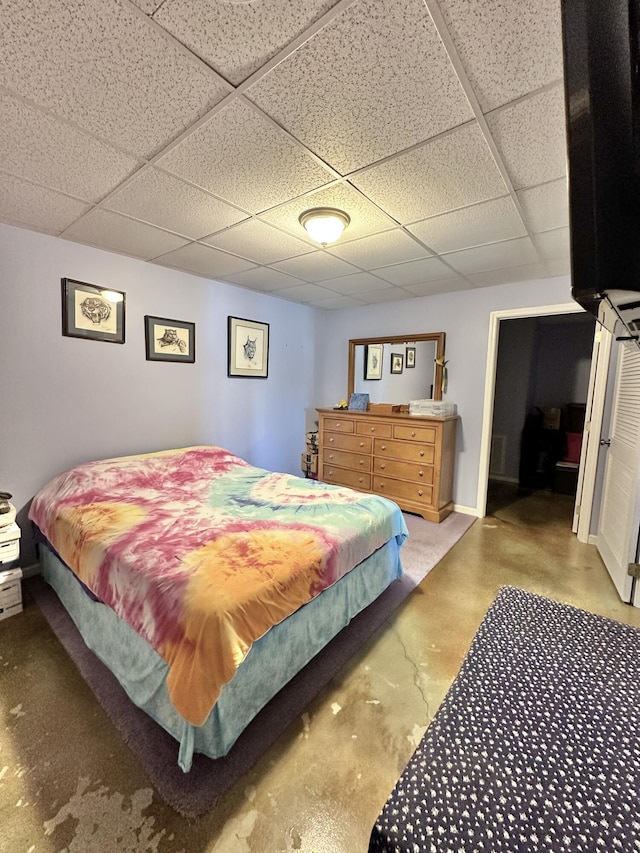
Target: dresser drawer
355, 443
338, 424
415, 492
344, 459
404, 470
345, 477
426, 434
409, 451
377, 430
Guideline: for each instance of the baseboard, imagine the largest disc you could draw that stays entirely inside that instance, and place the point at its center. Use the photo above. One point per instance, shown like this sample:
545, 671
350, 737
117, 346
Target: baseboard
499, 478
466, 510
593, 539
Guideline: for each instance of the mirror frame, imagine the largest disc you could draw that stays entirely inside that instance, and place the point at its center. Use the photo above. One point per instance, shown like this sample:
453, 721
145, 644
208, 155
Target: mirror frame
438, 337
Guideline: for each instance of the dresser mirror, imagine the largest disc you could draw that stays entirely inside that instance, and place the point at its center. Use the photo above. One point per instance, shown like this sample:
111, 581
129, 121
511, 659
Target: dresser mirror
398, 368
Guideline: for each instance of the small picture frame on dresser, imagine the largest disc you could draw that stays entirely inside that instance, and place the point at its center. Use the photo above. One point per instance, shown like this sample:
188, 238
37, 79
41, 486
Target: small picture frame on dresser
358, 402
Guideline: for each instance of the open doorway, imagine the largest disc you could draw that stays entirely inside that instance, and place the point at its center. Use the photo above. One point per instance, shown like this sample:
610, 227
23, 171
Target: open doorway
538, 365
540, 402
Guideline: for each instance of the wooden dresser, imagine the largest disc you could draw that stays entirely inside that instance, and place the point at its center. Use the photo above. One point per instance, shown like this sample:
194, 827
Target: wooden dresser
407, 458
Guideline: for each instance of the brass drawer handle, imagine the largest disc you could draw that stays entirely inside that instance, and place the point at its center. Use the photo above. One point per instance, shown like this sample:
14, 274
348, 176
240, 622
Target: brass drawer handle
362, 444
421, 452
382, 485
383, 446
338, 424
373, 429
330, 472
331, 456
361, 462
413, 435
361, 480
331, 439
420, 492
383, 466
420, 473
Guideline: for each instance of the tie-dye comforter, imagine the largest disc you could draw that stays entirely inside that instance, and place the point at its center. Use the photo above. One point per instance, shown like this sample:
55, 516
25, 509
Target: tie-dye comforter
201, 553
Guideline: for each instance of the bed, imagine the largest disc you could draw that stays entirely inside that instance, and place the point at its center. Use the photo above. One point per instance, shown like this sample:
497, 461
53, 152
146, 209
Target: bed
204, 583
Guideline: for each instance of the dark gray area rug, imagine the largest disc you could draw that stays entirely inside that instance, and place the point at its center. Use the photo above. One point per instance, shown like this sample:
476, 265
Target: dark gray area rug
192, 794
535, 747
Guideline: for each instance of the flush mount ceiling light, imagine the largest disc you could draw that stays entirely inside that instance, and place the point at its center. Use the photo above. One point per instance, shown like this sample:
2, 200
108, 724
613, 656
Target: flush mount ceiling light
324, 224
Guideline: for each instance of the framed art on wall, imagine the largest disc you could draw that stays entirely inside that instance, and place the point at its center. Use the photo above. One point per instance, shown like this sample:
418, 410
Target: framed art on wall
92, 312
410, 360
397, 360
373, 361
248, 348
169, 340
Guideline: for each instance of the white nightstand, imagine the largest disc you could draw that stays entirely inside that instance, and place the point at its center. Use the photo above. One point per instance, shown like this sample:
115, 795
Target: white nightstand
10, 573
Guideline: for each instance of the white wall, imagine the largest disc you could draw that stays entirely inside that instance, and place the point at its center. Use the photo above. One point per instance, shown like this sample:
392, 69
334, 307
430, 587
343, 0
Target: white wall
464, 317
66, 400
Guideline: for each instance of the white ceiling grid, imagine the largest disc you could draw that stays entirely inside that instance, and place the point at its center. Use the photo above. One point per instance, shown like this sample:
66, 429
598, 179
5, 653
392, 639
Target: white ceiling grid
192, 134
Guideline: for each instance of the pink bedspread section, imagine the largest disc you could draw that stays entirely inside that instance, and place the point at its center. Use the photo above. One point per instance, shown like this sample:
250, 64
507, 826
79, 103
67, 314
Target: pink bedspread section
201, 553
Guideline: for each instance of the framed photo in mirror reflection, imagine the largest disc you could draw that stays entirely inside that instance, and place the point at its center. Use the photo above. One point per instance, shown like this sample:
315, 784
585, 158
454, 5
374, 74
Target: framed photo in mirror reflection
373, 361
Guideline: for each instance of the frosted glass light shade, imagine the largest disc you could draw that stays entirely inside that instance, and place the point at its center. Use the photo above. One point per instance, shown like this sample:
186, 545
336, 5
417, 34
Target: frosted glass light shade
324, 224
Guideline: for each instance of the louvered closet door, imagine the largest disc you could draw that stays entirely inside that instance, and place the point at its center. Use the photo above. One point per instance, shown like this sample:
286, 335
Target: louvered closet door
617, 539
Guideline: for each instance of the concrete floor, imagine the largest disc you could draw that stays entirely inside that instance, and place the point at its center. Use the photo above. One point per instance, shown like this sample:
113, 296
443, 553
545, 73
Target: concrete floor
320, 788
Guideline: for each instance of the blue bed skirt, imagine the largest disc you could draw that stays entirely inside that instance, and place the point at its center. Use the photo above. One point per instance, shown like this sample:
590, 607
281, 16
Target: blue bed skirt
272, 661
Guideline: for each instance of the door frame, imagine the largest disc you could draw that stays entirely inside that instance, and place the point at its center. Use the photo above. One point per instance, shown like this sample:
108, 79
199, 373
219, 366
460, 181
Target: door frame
598, 378
495, 318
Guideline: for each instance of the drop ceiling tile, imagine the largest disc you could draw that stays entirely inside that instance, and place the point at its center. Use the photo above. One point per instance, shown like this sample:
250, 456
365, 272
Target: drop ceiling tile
103, 66
316, 266
491, 278
554, 244
167, 202
203, 260
356, 284
391, 294
431, 288
373, 70
305, 293
258, 242
530, 136
454, 170
116, 233
379, 250
336, 302
31, 206
41, 148
263, 278
506, 50
241, 157
482, 223
546, 206
238, 38
415, 272
495, 256
558, 266
148, 6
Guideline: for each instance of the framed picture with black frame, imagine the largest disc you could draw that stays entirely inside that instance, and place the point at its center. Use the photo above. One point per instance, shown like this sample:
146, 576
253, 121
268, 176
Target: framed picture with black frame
248, 348
169, 340
373, 361
410, 357
397, 362
92, 312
